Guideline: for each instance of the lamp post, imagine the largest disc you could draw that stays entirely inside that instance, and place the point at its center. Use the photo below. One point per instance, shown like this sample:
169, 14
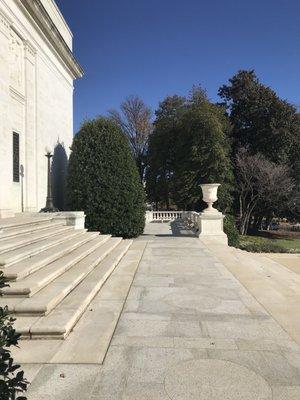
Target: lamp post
49, 201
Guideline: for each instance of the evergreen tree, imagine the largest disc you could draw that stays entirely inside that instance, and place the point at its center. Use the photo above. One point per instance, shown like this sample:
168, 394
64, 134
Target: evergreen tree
189, 146
103, 180
202, 152
261, 121
161, 150
267, 125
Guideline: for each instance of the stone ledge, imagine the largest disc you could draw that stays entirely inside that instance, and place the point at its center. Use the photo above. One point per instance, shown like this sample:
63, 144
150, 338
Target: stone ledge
38, 12
71, 218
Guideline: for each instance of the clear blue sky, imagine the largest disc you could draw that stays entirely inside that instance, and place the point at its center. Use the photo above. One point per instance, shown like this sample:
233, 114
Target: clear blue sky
154, 48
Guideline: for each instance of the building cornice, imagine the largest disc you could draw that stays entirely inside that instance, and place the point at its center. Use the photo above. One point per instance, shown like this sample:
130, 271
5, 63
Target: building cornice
5, 23
43, 20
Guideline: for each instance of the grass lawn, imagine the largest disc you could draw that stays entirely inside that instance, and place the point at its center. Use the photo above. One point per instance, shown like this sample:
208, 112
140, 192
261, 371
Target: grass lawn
260, 244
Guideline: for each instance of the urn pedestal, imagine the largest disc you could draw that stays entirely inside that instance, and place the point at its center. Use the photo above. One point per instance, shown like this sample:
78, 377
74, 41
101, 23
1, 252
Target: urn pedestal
210, 222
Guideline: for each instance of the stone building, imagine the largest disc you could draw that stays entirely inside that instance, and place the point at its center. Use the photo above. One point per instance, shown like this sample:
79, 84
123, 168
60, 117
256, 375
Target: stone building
37, 70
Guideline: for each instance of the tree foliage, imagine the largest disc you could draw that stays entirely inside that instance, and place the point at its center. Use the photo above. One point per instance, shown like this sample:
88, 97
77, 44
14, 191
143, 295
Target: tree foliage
134, 118
189, 146
231, 231
12, 381
269, 128
161, 152
103, 180
261, 121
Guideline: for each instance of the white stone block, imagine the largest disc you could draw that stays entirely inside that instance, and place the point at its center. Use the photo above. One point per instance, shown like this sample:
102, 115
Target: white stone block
71, 218
210, 225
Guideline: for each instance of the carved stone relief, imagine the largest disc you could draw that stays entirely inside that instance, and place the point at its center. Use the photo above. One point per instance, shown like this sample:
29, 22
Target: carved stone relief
16, 62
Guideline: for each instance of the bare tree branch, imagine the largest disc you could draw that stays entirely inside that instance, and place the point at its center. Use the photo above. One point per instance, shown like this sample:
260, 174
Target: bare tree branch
134, 119
260, 180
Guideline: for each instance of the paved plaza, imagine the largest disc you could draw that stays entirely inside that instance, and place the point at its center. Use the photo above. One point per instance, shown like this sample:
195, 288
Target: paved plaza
189, 330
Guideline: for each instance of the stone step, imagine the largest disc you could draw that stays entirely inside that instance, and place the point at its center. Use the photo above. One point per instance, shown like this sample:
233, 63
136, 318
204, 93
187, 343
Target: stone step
58, 323
46, 299
13, 256
42, 277
27, 229
101, 316
21, 269
10, 223
28, 238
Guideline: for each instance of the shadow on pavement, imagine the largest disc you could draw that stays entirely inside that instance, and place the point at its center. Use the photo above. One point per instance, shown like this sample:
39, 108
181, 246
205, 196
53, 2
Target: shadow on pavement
178, 230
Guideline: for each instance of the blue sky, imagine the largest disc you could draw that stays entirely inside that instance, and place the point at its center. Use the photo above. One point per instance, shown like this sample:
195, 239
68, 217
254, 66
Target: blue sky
154, 48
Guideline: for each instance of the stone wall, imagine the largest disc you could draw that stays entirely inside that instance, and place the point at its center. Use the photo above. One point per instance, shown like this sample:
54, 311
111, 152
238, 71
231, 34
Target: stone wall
36, 91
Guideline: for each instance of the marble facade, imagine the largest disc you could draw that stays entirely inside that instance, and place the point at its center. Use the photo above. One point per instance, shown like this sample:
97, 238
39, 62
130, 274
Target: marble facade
37, 70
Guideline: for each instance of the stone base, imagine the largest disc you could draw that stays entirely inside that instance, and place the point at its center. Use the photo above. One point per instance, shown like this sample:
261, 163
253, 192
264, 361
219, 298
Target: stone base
210, 225
71, 218
6, 213
214, 239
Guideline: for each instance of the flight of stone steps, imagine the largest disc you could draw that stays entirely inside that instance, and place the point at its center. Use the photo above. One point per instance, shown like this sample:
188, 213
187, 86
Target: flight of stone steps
54, 272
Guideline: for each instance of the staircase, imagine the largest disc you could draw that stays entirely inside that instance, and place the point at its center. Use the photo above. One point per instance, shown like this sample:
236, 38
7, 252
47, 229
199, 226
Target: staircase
54, 272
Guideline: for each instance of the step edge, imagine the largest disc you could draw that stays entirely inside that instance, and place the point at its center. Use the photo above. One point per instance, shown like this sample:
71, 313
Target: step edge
63, 333
48, 260
25, 243
10, 291
56, 300
41, 227
13, 260
23, 257
29, 222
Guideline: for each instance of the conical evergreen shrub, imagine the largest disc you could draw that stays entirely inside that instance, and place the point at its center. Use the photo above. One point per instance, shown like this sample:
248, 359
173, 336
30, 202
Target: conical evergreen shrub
103, 180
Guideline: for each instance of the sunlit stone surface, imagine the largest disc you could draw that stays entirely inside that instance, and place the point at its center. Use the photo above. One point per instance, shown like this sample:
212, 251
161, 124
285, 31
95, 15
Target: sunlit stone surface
215, 380
37, 69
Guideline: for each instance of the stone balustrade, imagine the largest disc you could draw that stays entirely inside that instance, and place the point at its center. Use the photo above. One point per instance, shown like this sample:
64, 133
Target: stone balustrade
163, 215
191, 218
208, 225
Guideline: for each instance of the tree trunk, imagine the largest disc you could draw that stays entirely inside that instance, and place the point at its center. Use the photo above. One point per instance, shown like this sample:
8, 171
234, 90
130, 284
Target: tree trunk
247, 223
268, 222
254, 223
167, 203
259, 222
243, 224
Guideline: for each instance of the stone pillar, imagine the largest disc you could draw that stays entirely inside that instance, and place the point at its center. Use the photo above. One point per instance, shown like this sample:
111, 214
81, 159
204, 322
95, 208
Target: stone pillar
30, 191
5, 132
148, 216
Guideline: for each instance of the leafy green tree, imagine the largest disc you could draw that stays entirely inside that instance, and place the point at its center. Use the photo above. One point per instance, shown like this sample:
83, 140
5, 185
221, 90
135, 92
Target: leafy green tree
261, 121
103, 180
189, 146
267, 125
12, 381
202, 152
161, 157
231, 231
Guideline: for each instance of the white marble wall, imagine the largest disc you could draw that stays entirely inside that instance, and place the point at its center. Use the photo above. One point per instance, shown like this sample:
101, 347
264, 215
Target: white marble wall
36, 92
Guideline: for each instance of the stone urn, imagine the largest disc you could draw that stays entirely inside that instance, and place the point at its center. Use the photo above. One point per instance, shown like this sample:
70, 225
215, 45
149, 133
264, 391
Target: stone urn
210, 191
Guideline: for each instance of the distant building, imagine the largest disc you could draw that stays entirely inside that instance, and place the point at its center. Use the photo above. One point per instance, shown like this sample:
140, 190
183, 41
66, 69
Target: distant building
37, 70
